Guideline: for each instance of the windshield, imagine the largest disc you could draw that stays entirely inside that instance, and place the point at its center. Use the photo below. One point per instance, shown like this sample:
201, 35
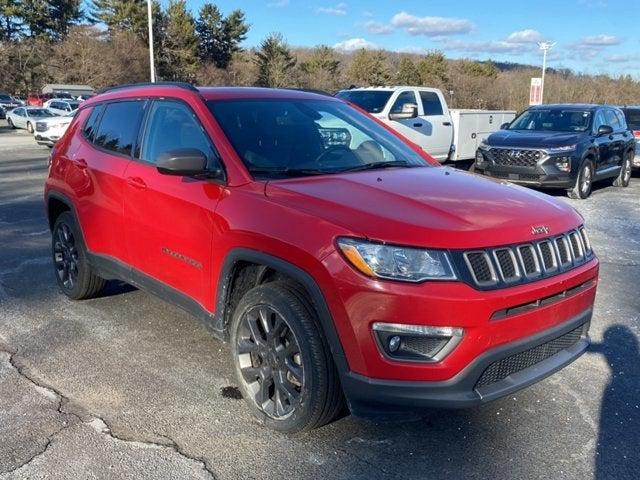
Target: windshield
553, 120
39, 112
370, 100
283, 138
633, 118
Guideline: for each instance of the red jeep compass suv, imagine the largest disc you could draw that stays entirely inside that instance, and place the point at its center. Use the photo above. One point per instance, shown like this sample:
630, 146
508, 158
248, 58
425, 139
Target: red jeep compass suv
340, 261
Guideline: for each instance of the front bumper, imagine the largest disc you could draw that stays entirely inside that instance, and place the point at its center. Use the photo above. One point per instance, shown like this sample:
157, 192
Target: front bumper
541, 355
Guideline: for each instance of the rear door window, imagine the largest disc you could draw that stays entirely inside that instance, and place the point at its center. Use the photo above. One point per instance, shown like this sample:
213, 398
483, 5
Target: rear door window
119, 126
89, 126
431, 103
612, 119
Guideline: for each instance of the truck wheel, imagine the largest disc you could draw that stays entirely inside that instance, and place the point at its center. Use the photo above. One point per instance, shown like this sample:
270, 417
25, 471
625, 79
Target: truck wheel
282, 364
584, 182
75, 276
624, 177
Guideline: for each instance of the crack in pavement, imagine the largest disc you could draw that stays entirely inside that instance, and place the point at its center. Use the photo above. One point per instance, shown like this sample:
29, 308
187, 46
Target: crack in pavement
80, 416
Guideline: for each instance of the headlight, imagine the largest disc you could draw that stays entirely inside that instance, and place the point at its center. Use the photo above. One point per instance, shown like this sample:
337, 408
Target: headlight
563, 149
397, 263
483, 145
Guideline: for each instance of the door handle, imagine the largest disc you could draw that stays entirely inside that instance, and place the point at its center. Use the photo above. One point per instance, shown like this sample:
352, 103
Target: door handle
136, 182
446, 124
417, 124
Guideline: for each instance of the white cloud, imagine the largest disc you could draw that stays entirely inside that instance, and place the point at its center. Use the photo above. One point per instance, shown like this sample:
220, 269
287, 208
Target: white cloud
339, 10
431, 26
278, 4
525, 36
600, 41
377, 28
494, 46
354, 44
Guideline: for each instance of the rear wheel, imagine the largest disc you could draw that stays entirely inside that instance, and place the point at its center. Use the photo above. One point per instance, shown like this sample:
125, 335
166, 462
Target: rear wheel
624, 177
29, 127
75, 276
283, 366
584, 181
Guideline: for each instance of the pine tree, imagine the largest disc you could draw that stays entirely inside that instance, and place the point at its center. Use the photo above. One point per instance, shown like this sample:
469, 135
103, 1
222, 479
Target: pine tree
275, 62
180, 47
220, 37
408, 73
10, 28
128, 15
369, 68
51, 18
433, 69
321, 69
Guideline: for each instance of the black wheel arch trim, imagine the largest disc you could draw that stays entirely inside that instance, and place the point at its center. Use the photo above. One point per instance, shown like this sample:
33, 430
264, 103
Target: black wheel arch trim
61, 197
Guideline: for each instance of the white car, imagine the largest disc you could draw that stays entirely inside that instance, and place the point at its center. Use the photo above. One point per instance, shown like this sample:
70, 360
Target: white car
26, 117
61, 106
49, 130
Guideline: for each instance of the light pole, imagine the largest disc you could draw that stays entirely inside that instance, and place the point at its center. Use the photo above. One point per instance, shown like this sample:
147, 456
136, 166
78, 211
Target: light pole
151, 62
545, 47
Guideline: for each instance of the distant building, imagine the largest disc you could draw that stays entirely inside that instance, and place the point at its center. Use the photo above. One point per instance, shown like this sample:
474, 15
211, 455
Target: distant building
74, 90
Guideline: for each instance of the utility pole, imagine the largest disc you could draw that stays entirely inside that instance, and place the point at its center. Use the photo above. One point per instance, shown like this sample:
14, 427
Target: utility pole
545, 47
152, 66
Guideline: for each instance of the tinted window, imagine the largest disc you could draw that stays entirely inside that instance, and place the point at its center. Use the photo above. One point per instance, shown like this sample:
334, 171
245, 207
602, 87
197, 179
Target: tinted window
90, 124
612, 119
633, 118
599, 121
19, 112
371, 100
118, 127
284, 138
621, 119
403, 98
431, 103
552, 119
5, 98
39, 112
172, 125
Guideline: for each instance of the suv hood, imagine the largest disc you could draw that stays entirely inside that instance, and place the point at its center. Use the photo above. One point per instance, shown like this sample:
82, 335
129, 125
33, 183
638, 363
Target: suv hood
532, 139
435, 207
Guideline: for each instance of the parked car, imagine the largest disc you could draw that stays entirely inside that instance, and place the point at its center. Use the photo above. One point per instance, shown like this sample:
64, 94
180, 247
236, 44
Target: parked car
632, 116
49, 130
339, 260
421, 114
20, 100
565, 146
3, 113
7, 102
61, 107
26, 117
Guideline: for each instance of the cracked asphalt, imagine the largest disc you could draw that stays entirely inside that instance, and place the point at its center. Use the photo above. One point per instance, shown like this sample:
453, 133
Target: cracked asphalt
127, 386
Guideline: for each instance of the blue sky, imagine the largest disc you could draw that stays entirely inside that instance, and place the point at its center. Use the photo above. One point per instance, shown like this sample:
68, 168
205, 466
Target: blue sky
593, 36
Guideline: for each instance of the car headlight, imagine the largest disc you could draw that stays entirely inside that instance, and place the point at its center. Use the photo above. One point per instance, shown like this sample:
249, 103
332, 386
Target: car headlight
483, 145
396, 263
563, 149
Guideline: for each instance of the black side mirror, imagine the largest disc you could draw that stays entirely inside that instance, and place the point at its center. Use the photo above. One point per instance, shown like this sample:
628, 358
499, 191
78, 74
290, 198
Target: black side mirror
409, 110
505, 125
183, 162
604, 130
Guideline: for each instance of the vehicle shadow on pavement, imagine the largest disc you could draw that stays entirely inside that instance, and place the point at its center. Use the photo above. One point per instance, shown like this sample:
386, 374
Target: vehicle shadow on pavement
618, 445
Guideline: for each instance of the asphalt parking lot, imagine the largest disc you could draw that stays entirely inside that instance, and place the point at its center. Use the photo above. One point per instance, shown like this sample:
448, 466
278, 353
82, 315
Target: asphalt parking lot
127, 386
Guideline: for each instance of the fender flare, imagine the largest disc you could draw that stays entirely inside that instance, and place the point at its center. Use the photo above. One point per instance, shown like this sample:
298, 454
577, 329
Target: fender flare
241, 254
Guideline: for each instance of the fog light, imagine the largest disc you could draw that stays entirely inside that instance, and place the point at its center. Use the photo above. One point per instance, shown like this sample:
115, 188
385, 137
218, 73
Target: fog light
420, 343
563, 164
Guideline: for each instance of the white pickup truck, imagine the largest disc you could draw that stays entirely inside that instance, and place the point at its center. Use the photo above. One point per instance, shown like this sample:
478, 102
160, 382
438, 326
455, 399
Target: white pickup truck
421, 114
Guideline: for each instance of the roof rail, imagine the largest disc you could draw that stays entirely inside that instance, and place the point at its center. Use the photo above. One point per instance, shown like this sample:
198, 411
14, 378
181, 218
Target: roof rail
184, 85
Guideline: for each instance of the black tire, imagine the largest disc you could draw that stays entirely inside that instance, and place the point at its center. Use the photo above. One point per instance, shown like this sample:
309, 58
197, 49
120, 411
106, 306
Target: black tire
472, 168
75, 277
29, 127
584, 181
10, 123
287, 376
624, 177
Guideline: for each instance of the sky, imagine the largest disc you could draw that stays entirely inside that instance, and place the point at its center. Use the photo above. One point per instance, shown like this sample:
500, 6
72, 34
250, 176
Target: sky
592, 36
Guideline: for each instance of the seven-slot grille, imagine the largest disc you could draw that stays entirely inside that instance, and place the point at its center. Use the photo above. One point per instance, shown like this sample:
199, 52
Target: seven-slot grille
503, 266
515, 157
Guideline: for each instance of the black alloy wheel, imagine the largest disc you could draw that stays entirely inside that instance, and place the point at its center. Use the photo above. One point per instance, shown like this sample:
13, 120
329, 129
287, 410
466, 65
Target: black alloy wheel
65, 256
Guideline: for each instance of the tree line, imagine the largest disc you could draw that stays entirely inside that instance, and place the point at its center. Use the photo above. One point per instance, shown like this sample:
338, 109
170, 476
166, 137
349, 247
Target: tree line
105, 42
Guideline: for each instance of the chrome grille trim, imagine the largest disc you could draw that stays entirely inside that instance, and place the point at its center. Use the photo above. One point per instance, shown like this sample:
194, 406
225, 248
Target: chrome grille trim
554, 258
481, 283
562, 244
538, 271
514, 263
585, 240
575, 240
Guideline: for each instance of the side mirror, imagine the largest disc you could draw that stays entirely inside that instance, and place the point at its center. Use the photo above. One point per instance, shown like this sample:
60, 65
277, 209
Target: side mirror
409, 110
183, 162
505, 125
604, 130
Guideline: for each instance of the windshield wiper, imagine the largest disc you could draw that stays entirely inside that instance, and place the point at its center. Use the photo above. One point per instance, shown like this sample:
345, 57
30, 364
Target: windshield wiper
289, 172
374, 166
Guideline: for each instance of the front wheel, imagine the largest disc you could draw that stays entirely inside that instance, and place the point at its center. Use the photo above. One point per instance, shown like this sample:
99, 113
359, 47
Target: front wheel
282, 363
624, 177
29, 127
10, 123
584, 182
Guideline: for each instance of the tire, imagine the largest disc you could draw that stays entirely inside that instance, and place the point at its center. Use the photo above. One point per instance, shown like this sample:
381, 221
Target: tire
624, 177
11, 123
584, 181
472, 168
29, 127
75, 277
294, 387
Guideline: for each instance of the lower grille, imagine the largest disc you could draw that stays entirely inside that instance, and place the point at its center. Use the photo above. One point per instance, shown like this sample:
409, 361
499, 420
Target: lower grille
41, 127
501, 369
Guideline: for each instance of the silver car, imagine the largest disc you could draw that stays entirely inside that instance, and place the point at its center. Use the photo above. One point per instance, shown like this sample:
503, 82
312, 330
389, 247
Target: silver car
26, 117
